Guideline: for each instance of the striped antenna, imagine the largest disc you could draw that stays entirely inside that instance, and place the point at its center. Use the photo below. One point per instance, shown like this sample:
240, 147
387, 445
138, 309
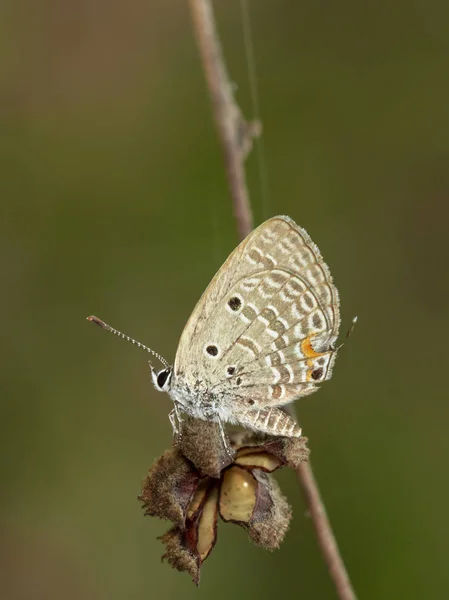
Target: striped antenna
104, 325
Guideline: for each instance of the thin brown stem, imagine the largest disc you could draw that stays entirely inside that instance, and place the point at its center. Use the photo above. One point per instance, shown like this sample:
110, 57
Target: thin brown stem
324, 533
235, 136
234, 133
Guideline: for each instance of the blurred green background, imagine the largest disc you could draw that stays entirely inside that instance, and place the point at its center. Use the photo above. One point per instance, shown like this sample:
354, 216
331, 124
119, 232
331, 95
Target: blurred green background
114, 202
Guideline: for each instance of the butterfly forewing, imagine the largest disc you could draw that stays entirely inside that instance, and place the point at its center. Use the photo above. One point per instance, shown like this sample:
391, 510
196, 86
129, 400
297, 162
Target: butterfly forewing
264, 328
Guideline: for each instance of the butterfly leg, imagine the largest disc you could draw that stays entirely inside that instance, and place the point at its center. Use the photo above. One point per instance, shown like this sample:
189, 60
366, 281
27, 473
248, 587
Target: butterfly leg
224, 438
272, 421
175, 420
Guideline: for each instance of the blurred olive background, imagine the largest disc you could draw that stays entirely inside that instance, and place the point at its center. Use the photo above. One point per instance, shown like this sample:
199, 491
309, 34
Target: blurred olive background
114, 202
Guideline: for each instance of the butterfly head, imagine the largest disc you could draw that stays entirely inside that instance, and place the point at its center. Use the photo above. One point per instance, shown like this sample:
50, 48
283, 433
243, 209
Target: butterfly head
162, 379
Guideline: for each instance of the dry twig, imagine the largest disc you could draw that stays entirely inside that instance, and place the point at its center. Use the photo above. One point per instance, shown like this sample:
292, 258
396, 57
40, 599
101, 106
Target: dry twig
235, 135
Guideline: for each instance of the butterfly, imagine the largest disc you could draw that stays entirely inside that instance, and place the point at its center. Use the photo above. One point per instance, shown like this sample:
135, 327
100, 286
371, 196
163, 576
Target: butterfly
262, 335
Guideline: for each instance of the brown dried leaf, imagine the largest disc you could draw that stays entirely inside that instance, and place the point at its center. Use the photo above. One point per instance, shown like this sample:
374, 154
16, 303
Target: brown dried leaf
272, 514
168, 488
207, 524
202, 444
292, 451
179, 556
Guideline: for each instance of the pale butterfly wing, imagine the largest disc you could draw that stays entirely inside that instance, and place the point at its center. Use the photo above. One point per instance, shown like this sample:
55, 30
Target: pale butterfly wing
264, 328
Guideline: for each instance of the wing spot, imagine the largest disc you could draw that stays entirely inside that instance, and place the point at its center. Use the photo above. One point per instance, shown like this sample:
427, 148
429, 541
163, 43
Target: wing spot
268, 236
297, 314
269, 260
273, 309
250, 345
249, 313
317, 374
297, 350
308, 299
277, 374
255, 255
263, 292
212, 350
288, 244
294, 287
278, 344
306, 256
250, 284
284, 322
268, 314
317, 321
275, 358
276, 391
235, 303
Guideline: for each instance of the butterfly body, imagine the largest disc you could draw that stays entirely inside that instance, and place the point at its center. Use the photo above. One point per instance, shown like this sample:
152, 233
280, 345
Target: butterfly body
199, 401
218, 405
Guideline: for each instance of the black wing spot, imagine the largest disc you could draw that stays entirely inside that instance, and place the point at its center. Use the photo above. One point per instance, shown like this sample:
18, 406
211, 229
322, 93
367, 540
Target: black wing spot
235, 303
238, 380
317, 374
251, 402
212, 350
230, 370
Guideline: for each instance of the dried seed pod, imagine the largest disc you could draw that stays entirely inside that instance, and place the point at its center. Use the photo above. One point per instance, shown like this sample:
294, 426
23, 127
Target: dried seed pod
193, 491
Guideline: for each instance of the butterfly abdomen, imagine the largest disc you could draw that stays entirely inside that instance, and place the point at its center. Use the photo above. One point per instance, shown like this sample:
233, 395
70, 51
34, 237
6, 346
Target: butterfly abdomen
273, 421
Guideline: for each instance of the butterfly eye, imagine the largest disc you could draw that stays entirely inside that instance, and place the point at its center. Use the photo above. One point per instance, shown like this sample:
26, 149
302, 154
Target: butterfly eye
162, 378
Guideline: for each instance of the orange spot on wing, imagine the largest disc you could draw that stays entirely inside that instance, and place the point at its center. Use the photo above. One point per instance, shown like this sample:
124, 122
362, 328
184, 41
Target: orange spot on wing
307, 350
309, 353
